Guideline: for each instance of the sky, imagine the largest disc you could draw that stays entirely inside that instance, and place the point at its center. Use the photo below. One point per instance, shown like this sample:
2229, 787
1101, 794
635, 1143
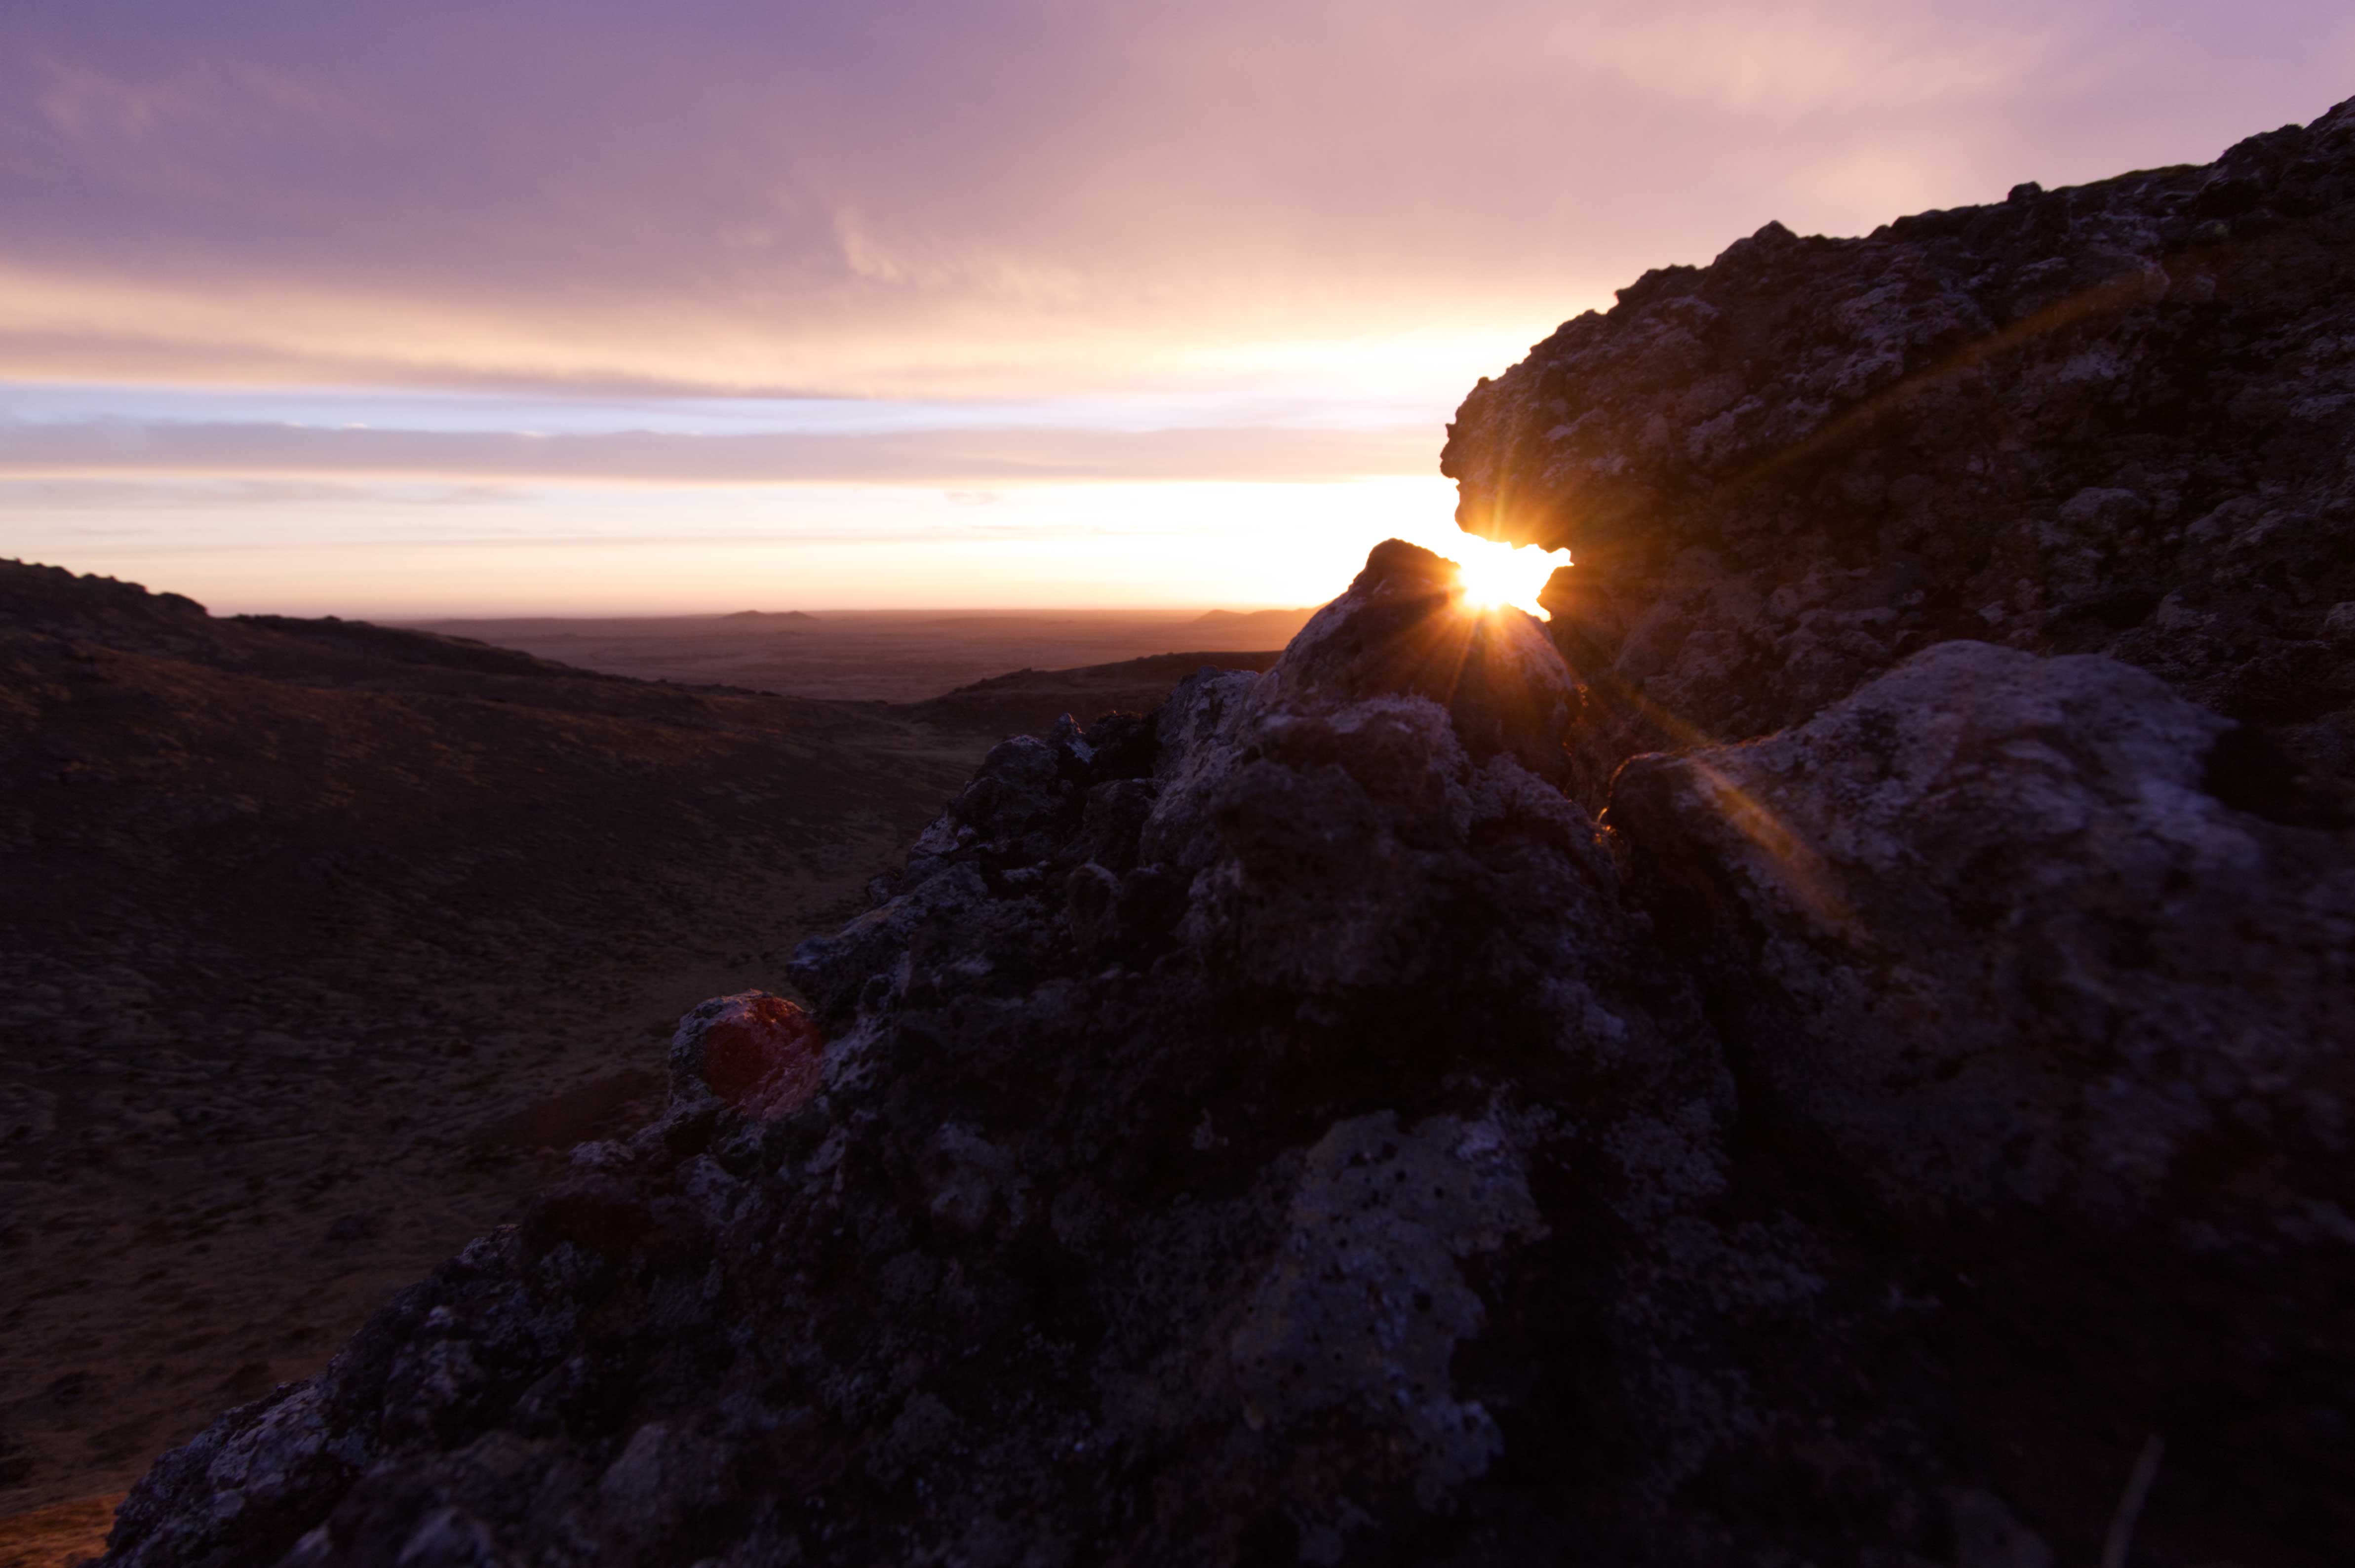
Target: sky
577, 306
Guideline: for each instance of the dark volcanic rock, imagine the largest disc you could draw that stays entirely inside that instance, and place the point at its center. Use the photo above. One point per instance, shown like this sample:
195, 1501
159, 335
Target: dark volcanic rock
2109, 419
1243, 1221
2060, 1018
1401, 629
1269, 1132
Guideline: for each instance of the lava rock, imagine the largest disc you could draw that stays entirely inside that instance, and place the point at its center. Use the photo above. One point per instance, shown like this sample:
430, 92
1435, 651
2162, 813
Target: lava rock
2059, 1015
1150, 1212
1404, 627
2109, 419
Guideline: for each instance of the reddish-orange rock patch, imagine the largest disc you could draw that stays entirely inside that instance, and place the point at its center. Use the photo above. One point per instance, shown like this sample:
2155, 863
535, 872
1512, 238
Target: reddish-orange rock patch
763, 1056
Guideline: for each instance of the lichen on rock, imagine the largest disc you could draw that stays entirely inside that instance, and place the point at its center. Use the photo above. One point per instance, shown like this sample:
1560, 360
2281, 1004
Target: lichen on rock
1364, 1306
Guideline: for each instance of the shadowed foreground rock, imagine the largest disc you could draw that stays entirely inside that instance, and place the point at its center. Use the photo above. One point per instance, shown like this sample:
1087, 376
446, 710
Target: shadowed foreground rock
1281, 1129
2058, 1016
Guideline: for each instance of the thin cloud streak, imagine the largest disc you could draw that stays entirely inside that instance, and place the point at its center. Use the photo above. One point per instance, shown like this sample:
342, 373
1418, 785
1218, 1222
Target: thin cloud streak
932, 456
54, 496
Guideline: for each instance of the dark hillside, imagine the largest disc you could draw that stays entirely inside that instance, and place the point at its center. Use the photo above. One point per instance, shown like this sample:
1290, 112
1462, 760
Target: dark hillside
311, 929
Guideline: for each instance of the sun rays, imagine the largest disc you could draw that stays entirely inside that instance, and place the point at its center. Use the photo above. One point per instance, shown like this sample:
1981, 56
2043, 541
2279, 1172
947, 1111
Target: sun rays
1497, 574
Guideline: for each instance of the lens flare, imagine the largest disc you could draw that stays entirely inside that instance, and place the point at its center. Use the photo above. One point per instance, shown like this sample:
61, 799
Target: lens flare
1495, 574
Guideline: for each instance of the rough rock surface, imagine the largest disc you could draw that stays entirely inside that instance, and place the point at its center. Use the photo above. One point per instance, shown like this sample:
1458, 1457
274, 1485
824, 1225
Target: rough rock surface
2060, 1018
753, 1053
1284, 1128
2115, 418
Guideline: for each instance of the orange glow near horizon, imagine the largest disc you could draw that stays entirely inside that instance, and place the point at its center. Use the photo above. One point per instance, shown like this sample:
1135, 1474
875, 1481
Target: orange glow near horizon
496, 551
1497, 574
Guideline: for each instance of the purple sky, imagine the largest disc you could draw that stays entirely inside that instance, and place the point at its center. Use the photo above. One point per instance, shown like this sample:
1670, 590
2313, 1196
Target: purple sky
781, 272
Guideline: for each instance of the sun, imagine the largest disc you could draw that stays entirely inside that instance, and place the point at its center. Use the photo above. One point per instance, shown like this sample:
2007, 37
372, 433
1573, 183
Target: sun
1498, 574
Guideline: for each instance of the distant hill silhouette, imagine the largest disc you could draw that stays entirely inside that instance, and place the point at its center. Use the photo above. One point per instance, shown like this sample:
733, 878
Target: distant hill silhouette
770, 615
1278, 626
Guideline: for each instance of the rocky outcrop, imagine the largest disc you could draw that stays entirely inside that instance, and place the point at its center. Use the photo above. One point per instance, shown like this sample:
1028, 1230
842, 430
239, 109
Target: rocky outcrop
1185, 1122
1286, 1128
2058, 1016
2112, 418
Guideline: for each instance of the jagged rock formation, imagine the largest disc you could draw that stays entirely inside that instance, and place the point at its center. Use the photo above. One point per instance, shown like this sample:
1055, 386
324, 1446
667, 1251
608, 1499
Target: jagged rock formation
2110, 418
1286, 1128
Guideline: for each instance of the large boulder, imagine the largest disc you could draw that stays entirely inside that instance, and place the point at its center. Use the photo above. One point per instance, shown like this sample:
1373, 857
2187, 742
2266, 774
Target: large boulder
1981, 936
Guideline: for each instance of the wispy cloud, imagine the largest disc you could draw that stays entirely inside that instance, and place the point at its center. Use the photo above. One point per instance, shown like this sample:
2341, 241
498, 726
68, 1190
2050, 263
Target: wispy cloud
110, 447
52, 496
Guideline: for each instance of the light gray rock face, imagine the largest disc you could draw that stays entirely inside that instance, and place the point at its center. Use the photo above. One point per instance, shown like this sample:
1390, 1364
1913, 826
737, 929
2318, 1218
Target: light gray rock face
2113, 418
1974, 869
1364, 1306
2054, 1008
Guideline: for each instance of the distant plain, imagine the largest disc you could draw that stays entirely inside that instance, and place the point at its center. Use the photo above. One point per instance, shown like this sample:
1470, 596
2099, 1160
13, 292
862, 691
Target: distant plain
894, 655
